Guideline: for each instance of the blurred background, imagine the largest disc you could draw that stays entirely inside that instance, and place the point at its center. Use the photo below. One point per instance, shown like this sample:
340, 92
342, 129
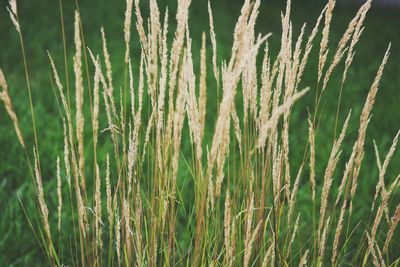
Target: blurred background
41, 28
379, 2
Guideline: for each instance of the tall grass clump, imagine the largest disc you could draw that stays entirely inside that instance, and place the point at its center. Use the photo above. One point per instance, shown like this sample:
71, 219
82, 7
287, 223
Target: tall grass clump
129, 144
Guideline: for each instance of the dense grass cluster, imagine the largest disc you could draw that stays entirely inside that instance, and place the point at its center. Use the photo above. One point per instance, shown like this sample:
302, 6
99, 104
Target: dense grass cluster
118, 174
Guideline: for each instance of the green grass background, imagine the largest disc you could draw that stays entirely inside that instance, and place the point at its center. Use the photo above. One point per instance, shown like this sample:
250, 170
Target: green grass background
41, 29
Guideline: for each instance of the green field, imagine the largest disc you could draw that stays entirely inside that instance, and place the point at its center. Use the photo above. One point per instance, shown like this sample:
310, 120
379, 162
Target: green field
41, 28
